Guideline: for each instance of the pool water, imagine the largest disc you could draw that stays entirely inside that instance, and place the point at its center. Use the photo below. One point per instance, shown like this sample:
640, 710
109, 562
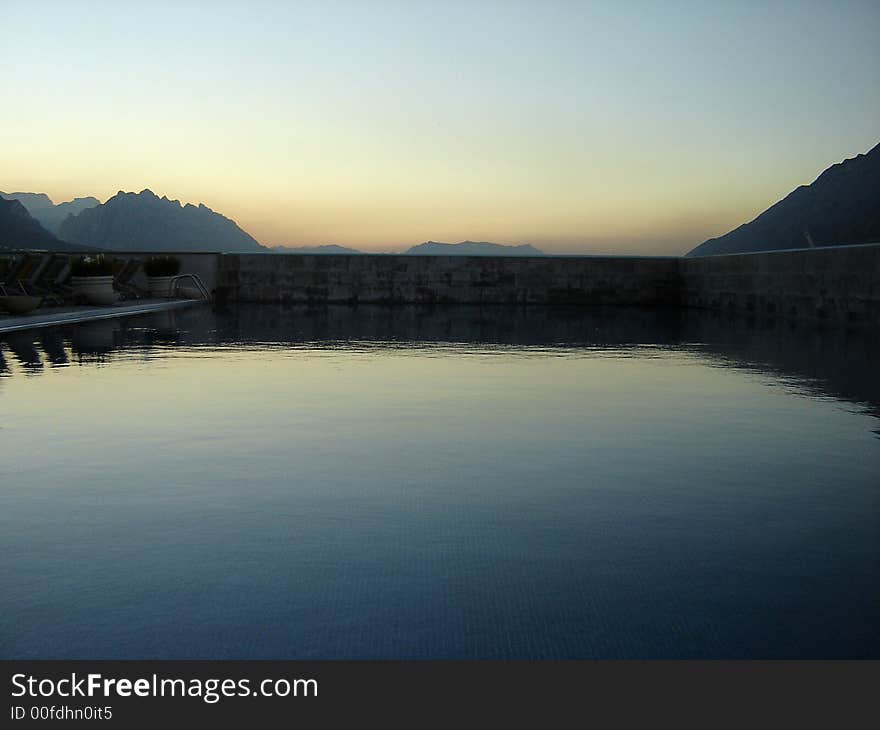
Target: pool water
370, 482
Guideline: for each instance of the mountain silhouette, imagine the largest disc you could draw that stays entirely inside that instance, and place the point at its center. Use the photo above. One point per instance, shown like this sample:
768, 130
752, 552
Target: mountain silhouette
471, 248
31, 201
20, 230
50, 215
841, 207
54, 217
324, 249
145, 222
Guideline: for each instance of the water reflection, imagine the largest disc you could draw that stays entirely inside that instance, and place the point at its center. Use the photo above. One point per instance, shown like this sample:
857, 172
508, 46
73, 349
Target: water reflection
93, 341
52, 341
372, 482
838, 363
169, 328
24, 350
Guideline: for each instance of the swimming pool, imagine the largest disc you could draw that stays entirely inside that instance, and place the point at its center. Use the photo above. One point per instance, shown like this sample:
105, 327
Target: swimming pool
372, 482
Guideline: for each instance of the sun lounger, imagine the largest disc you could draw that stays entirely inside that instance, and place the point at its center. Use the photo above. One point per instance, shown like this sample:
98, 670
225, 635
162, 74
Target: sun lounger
48, 280
123, 280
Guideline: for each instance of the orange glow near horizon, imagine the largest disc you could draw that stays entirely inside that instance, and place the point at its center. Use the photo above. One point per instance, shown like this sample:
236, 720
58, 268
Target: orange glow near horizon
575, 127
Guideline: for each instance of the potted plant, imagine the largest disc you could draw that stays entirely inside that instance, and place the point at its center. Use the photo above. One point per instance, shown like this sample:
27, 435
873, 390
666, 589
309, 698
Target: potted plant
160, 271
92, 279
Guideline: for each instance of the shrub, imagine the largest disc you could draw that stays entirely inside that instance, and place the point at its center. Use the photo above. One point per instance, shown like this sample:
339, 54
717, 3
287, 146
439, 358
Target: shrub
161, 266
99, 265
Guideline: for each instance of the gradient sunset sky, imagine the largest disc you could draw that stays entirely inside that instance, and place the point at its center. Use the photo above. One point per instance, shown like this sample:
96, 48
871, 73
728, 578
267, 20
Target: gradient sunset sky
579, 127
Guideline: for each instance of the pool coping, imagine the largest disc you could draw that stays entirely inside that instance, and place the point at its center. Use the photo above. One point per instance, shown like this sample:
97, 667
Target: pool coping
38, 320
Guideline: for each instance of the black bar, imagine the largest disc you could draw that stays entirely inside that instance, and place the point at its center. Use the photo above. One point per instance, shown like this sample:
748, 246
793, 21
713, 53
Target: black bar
547, 693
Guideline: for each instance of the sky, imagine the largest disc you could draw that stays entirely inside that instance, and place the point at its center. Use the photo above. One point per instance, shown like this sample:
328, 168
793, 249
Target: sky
579, 127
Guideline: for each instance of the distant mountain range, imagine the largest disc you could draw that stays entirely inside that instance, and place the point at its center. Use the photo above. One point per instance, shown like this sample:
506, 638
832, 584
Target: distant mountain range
330, 248
471, 248
429, 248
145, 222
50, 215
126, 222
19, 229
842, 206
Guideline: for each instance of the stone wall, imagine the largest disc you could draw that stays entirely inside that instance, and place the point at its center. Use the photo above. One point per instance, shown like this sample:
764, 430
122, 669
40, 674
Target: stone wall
448, 279
840, 284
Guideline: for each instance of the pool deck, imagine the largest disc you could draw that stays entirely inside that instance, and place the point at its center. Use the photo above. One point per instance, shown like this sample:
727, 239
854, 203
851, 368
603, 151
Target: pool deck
55, 316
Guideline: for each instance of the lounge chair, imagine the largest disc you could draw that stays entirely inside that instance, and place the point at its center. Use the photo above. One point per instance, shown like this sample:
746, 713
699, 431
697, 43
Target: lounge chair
21, 267
31, 271
122, 280
14, 295
49, 281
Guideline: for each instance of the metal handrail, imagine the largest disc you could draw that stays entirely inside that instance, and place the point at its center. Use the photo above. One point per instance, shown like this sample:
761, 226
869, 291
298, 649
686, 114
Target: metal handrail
172, 285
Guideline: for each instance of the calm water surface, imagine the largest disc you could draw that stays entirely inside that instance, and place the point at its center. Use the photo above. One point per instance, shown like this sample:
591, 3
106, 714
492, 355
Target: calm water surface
377, 482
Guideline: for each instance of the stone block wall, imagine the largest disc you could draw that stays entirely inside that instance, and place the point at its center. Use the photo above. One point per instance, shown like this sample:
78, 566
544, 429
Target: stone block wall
840, 284
449, 279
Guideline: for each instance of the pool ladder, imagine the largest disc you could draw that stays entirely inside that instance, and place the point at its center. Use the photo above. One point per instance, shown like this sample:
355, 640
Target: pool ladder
194, 278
